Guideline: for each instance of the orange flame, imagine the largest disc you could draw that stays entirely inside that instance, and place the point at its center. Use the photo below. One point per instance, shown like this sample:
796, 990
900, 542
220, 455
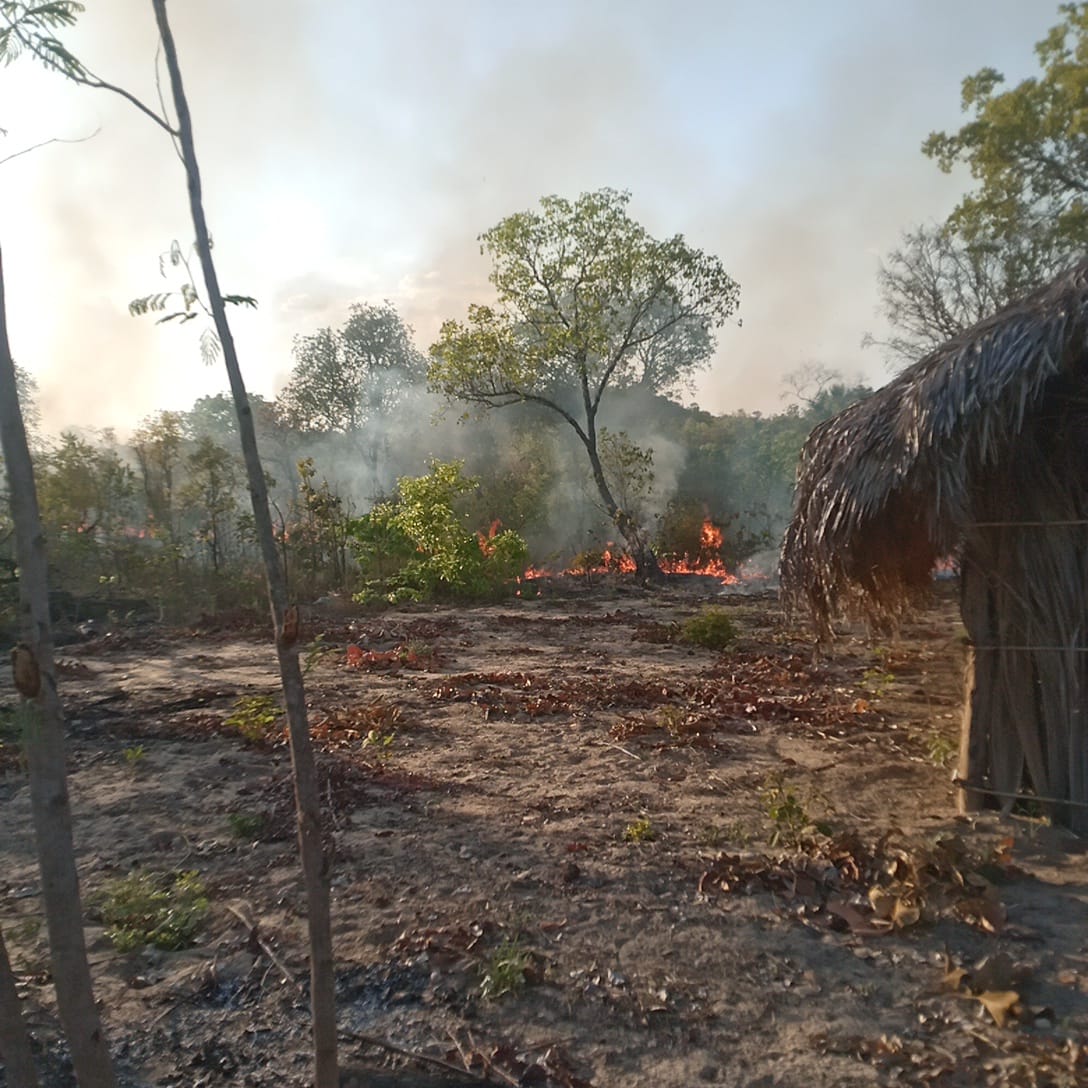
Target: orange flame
708, 561
485, 541
710, 537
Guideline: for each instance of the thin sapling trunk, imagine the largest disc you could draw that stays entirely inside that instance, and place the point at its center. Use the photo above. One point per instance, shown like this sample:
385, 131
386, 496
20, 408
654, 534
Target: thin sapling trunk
40, 709
315, 863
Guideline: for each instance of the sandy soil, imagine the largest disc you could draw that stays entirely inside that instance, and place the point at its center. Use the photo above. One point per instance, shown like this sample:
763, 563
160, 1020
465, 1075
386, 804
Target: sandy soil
738, 868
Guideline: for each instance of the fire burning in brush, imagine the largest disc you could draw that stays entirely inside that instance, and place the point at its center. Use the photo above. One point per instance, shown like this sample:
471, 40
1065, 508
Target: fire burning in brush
485, 541
708, 559
611, 560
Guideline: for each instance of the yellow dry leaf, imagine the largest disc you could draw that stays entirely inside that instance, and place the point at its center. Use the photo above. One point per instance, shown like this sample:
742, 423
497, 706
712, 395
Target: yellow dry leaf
953, 978
905, 914
883, 902
1000, 1004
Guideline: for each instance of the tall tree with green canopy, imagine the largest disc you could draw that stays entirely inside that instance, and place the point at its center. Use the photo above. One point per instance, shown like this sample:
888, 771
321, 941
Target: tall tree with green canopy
1026, 146
1026, 218
30, 28
347, 377
584, 296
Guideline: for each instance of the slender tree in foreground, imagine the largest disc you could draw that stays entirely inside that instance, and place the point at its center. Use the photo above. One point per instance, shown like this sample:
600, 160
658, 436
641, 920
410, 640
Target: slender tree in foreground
14, 1041
43, 729
29, 28
315, 863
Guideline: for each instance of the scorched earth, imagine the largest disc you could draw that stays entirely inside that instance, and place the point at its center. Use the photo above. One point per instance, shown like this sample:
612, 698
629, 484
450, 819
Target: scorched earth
571, 848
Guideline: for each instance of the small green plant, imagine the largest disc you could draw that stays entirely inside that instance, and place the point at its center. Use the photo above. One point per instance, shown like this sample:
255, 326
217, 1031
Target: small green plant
787, 809
10, 737
379, 744
711, 628
246, 825
940, 748
415, 652
505, 971
641, 830
134, 757
877, 681
165, 910
255, 717
681, 724
315, 653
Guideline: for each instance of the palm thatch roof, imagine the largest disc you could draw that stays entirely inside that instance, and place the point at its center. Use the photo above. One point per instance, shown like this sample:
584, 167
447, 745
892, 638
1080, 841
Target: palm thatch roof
979, 451
895, 482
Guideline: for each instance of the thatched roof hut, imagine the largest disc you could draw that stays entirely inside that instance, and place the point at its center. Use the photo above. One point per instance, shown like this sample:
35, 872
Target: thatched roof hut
979, 451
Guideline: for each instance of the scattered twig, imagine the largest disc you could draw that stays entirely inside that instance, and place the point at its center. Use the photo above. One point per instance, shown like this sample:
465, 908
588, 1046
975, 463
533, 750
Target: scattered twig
490, 1066
334, 819
1005, 795
172, 1007
620, 748
414, 1055
46, 143
264, 946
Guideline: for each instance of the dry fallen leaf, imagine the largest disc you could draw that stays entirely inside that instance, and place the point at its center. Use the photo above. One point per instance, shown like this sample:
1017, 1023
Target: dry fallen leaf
860, 924
1000, 1004
882, 902
953, 978
905, 914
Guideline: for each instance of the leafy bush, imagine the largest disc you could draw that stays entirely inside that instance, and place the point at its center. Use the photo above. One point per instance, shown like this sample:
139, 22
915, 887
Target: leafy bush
255, 717
246, 825
165, 910
788, 808
711, 628
417, 546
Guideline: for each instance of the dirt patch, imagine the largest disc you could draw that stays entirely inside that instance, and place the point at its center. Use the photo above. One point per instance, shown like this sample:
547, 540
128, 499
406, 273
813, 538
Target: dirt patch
570, 850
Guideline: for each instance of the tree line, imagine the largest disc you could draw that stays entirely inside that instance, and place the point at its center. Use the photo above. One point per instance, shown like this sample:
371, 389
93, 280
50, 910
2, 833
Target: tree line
162, 516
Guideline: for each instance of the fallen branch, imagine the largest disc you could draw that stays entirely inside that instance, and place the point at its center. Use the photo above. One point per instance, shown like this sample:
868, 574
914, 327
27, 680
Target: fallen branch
620, 748
264, 946
489, 1066
414, 1055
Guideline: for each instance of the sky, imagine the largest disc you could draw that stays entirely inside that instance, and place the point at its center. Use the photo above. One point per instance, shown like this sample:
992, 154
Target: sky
353, 151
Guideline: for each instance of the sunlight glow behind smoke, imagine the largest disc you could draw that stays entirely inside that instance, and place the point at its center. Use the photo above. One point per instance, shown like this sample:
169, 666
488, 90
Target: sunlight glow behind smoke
354, 152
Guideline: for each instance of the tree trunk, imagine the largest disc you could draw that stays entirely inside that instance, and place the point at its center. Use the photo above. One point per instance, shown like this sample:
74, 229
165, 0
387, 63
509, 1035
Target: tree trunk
315, 863
14, 1041
647, 567
36, 682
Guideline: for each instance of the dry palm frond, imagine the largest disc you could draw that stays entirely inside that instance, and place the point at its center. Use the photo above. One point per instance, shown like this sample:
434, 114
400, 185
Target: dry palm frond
888, 486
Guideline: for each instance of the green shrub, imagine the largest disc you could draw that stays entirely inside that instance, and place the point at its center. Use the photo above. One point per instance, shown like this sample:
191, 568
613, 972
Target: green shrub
256, 717
165, 910
246, 825
418, 547
711, 628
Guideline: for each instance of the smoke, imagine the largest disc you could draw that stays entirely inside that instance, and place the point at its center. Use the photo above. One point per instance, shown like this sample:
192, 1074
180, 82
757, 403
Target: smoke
353, 151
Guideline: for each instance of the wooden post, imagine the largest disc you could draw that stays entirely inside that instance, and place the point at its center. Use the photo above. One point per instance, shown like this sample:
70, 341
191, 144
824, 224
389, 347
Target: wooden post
974, 758
974, 742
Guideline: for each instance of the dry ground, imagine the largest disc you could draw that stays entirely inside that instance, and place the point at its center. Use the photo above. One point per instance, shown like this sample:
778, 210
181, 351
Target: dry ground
737, 868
